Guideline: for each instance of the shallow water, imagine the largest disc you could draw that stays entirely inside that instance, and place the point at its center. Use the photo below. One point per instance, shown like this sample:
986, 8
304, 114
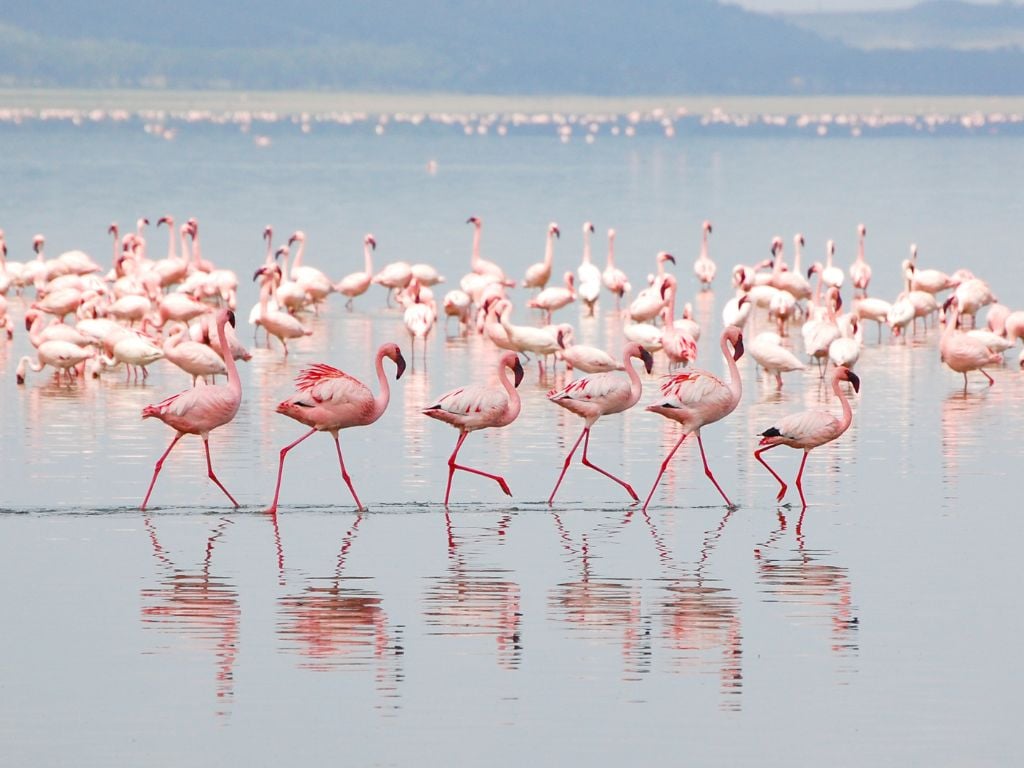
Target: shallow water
875, 627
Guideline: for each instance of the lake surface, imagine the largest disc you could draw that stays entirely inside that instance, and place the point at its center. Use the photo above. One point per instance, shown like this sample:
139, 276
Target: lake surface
876, 627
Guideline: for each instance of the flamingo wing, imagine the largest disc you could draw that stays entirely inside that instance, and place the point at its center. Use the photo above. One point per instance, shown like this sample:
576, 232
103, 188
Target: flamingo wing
600, 386
322, 384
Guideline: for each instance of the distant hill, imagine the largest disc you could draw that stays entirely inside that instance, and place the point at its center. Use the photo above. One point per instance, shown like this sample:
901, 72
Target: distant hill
935, 24
597, 47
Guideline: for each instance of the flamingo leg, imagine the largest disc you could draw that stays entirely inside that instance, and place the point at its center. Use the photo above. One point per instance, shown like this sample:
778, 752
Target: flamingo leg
708, 472
344, 474
211, 475
565, 466
587, 463
280, 469
452, 466
661, 472
757, 455
158, 467
799, 478
991, 381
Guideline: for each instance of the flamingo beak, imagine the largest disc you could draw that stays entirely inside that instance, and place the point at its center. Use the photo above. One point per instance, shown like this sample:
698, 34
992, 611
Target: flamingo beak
737, 350
744, 299
231, 318
561, 339
258, 272
517, 370
810, 271
648, 360
854, 379
670, 257
399, 365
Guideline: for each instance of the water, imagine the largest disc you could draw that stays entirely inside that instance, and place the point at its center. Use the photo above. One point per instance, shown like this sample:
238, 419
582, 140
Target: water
876, 627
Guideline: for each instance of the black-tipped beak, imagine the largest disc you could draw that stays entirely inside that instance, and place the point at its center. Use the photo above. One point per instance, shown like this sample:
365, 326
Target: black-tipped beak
517, 371
162, 220
561, 339
670, 257
258, 272
648, 360
231, 318
854, 379
557, 232
744, 299
947, 302
400, 366
292, 239
737, 350
810, 271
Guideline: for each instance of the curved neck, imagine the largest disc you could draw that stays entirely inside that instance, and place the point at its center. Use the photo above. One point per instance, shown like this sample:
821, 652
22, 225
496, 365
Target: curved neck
514, 403
299, 253
635, 385
380, 402
735, 383
234, 382
367, 259
844, 423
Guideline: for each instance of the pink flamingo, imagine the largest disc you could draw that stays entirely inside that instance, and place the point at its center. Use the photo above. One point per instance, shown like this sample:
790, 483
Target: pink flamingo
699, 398
200, 410
591, 397
860, 270
962, 352
808, 430
478, 407
329, 400
704, 267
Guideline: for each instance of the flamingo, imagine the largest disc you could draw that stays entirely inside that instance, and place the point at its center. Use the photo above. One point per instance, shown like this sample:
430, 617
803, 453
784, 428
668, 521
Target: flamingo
831, 275
276, 323
767, 350
356, 283
482, 266
419, 318
592, 397
314, 282
963, 353
537, 275
589, 275
704, 267
651, 300
698, 398
860, 270
329, 400
614, 279
61, 355
586, 358
172, 269
928, 280
554, 298
200, 410
476, 407
807, 430
193, 357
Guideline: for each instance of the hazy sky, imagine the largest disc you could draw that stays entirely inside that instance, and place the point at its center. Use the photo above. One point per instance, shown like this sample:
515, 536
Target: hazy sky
828, 5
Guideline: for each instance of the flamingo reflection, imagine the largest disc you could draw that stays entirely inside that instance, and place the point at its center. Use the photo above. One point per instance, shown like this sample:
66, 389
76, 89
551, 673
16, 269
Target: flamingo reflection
474, 601
196, 605
335, 622
801, 580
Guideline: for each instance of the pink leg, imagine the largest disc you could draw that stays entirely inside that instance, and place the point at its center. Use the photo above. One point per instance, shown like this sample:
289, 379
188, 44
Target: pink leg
159, 466
452, 466
565, 466
757, 455
661, 472
991, 381
209, 468
587, 463
799, 477
344, 474
707, 471
280, 469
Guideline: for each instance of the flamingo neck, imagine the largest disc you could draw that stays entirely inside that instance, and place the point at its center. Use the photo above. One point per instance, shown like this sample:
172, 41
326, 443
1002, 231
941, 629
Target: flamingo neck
586, 247
860, 250
380, 402
234, 382
704, 245
635, 385
172, 248
475, 258
611, 251
735, 382
367, 259
298, 255
796, 258
514, 403
844, 423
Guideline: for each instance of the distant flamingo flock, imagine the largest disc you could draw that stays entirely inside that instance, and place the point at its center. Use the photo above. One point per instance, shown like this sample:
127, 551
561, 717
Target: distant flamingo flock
181, 308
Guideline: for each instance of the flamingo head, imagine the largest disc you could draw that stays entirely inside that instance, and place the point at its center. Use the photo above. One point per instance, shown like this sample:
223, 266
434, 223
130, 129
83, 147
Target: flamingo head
297, 236
392, 352
664, 256
815, 267
706, 226
283, 251
861, 230
273, 272
776, 245
554, 230
476, 221
37, 243
370, 240
268, 233
913, 251
587, 227
836, 298
734, 336
611, 234
648, 361
512, 361
193, 226
830, 247
168, 220
798, 240
845, 374
569, 279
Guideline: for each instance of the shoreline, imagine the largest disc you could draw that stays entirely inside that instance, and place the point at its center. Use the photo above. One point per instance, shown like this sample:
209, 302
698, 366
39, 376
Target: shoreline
300, 102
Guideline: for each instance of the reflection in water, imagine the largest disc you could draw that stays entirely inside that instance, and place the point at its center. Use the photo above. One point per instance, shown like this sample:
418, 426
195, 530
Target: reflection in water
470, 601
602, 608
809, 586
196, 606
335, 622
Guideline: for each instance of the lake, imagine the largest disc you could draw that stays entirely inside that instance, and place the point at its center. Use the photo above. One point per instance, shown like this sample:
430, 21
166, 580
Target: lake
874, 627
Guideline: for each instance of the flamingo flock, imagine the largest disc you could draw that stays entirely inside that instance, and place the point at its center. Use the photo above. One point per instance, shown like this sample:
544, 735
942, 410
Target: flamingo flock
180, 310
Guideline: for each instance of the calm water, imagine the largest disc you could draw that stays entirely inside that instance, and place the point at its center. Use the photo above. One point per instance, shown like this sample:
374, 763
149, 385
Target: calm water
877, 628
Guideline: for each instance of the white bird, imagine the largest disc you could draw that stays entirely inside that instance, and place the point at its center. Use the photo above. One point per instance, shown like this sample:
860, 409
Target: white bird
537, 275
614, 279
831, 275
61, 355
704, 267
767, 350
551, 299
356, 283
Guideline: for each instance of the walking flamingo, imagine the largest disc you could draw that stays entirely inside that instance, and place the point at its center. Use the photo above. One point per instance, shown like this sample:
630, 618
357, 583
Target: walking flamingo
592, 397
698, 398
329, 400
478, 407
200, 410
808, 430
704, 267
